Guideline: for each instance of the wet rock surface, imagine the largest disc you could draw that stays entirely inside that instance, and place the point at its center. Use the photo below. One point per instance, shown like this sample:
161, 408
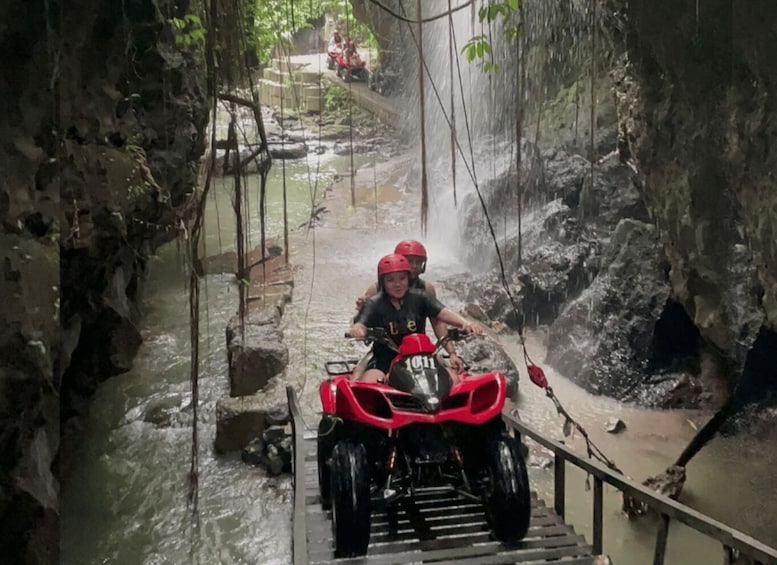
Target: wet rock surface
483, 355
602, 340
273, 451
713, 202
255, 353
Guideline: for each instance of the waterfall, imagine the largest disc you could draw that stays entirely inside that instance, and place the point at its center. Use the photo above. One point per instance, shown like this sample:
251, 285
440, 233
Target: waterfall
554, 43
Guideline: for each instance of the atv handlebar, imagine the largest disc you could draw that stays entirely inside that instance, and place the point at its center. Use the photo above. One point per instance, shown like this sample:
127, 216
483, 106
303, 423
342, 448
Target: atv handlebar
379, 335
454, 334
373, 335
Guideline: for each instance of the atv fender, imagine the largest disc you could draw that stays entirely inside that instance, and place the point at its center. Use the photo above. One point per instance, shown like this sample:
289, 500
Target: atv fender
327, 391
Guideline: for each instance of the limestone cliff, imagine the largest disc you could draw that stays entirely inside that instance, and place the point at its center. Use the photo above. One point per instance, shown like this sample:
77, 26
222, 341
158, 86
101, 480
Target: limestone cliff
699, 118
102, 122
29, 285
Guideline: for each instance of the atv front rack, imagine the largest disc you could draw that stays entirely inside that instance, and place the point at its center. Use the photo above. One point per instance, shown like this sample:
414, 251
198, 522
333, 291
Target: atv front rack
340, 367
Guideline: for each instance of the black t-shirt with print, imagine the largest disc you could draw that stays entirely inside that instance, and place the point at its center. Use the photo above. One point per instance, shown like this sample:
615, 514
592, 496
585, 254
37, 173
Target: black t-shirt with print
378, 312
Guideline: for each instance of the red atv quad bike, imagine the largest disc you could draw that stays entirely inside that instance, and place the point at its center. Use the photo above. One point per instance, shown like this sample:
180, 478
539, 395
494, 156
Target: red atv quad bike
351, 67
380, 442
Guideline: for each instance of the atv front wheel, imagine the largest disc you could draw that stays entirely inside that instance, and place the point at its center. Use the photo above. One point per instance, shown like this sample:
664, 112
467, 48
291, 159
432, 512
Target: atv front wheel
330, 63
506, 494
350, 493
344, 73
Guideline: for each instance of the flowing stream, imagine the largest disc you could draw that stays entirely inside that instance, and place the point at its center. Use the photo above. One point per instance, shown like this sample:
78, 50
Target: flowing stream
125, 501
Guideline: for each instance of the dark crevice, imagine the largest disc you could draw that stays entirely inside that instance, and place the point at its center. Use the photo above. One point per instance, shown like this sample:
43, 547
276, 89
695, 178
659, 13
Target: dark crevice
140, 10
759, 375
37, 224
676, 341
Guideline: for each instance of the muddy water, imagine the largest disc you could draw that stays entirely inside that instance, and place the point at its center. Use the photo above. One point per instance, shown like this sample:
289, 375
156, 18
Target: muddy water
126, 498
651, 442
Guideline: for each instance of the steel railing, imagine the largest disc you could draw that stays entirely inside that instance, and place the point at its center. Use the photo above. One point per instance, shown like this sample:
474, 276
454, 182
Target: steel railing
733, 541
300, 534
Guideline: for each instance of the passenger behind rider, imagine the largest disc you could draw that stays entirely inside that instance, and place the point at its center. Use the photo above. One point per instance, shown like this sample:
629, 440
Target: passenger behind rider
351, 54
400, 311
415, 253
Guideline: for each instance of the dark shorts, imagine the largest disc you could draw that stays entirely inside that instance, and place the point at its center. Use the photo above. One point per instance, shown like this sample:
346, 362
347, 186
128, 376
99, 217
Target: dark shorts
382, 362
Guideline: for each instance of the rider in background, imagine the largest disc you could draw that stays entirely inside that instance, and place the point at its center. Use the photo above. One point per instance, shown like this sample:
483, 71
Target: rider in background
335, 42
351, 54
400, 311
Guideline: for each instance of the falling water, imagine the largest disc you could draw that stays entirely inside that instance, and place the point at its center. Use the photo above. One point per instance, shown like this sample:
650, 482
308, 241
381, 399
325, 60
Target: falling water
555, 45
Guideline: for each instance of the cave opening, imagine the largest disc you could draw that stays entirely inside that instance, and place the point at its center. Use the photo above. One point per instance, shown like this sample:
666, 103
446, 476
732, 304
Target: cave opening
676, 341
759, 375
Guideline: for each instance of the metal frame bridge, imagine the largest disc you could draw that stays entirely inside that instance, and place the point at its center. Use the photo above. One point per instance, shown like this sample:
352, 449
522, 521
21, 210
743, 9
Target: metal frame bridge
441, 527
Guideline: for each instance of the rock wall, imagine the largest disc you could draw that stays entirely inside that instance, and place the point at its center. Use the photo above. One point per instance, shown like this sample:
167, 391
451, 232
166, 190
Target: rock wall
698, 121
29, 286
103, 120
133, 114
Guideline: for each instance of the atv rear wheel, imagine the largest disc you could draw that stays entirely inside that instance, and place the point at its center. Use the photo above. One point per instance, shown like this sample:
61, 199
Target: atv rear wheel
325, 443
330, 63
507, 497
350, 493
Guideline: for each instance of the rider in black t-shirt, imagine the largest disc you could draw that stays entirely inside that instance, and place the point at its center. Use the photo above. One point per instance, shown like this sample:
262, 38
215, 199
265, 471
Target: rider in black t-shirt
400, 311
415, 253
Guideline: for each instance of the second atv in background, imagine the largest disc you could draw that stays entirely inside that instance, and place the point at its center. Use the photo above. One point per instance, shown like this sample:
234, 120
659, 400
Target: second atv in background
350, 65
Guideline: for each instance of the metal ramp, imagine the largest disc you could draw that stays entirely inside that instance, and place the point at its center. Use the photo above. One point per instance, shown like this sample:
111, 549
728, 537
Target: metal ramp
437, 526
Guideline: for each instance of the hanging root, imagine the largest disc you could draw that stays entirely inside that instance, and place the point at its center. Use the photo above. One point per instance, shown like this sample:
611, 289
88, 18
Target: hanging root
669, 483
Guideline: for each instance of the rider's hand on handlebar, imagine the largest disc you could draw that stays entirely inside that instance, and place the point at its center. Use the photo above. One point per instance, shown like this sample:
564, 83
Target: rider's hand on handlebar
474, 328
358, 331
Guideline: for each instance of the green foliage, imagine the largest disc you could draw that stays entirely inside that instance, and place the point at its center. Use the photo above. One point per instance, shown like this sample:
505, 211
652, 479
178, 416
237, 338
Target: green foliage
189, 31
336, 98
479, 47
493, 10
350, 26
273, 23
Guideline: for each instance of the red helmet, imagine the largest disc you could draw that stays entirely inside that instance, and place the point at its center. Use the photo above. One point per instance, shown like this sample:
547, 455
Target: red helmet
393, 263
410, 247
413, 248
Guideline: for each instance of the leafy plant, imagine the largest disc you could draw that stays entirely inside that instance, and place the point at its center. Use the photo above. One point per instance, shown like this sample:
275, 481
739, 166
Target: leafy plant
188, 31
274, 22
479, 47
336, 98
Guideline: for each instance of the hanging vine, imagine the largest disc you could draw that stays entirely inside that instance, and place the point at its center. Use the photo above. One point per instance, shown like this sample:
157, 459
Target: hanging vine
451, 53
424, 180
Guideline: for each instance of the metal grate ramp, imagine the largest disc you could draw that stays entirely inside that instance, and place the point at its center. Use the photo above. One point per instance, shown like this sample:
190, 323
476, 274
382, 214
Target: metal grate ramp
438, 526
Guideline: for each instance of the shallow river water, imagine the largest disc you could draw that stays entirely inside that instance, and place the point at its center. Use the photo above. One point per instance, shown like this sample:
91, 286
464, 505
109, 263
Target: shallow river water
125, 501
